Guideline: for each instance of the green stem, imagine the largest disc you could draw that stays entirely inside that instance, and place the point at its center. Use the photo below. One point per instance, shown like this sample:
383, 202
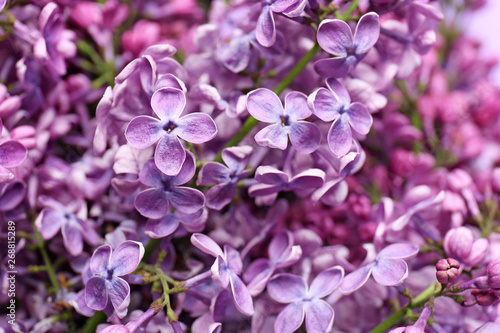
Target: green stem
251, 122
46, 261
347, 14
92, 322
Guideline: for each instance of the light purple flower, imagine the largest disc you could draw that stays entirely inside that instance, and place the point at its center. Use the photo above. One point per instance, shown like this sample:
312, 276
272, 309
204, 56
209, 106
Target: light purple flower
335, 37
225, 177
144, 131
282, 253
334, 104
167, 225
106, 284
12, 154
388, 268
166, 191
459, 244
8, 104
264, 105
266, 29
225, 271
305, 302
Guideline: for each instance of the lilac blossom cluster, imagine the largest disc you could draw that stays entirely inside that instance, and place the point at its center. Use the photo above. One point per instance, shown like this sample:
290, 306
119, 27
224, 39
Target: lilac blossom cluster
248, 166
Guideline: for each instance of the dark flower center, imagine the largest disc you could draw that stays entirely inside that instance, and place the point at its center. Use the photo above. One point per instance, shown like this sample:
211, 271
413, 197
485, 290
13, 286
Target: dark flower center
285, 121
169, 127
110, 274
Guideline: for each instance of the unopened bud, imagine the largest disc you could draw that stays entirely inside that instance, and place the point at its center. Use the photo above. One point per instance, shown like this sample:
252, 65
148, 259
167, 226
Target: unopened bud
447, 271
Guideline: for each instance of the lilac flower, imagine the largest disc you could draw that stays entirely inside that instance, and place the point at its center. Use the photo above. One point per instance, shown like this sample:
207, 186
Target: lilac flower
106, 284
305, 302
166, 191
55, 43
282, 253
266, 29
70, 219
144, 131
12, 154
388, 269
265, 106
334, 104
419, 326
225, 271
459, 244
8, 104
272, 181
335, 37
225, 178
167, 225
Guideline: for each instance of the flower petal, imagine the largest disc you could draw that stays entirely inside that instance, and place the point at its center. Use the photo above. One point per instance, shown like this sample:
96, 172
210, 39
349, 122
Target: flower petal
296, 106
398, 251
168, 103
290, 318
287, 288
269, 175
335, 37
100, 260
150, 174
220, 195
152, 203
305, 136
326, 282
170, 155
319, 316
196, 128
163, 227
50, 222
265, 31
236, 158
311, 178
355, 280
187, 171
12, 153
206, 244
333, 67
119, 293
126, 257
186, 200
390, 272
325, 105
339, 91
242, 298
213, 173
72, 238
143, 131
272, 136
340, 136
367, 32
264, 105
96, 293
359, 118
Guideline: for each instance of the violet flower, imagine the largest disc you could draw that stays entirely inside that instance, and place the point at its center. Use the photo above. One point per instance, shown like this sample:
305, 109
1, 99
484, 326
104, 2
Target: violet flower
167, 225
225, 271
166, 191
106, 284
224, 177
282, 253
335, 37
303, 301
144, 131
334, 104
12, 154
388, 268
265, 106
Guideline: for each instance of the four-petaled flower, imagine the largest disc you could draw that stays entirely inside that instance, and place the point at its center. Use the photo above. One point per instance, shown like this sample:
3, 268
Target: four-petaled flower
106, 283
155, 202
264, 105
334, 104
335, 37
303, 301
12, 153
168, 104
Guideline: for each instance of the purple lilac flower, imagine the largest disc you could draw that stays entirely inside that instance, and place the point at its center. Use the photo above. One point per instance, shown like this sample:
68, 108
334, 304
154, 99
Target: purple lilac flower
166, 191
303, 301
334, 104
225, 271
167, 225
459, 244
447, 271
282, 253
335, 37
225, 178
388, 268
264, 105
12, 154
266, 29
144, 131
8, 104
106, 285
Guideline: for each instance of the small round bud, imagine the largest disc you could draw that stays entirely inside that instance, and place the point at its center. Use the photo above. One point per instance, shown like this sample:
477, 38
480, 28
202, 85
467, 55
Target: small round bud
447, 271
493, 272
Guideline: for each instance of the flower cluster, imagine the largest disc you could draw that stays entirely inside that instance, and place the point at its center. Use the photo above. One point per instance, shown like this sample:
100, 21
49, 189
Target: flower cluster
248, 166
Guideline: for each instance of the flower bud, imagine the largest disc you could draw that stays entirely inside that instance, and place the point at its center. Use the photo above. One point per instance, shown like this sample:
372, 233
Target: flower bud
493, 272
447, 271
484, 297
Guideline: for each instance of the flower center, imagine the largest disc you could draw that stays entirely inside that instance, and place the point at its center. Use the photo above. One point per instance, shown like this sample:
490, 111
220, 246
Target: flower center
110, 274
285, 121
169, 127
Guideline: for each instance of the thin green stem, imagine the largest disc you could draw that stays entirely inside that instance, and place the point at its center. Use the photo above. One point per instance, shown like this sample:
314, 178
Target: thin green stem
45, 257
347, 14
91, 324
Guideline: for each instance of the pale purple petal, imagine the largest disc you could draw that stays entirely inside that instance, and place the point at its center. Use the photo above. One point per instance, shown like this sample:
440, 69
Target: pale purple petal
333, 67
186, 200
279, 245
398, 251
296, 106
119, 293
162, 227
339, 91
168, 103
335, 37
72, 238
319, 316
196, 128
325, 105
367, 32
290, 318
233, 259
235, 54
169, 155
269, 175
220, 195
100, 260
206, 244
264, 105
12, 153
390, 272
266, 30
242, 298
259, 281
305, 136
213, 173
281, 5
150, 174
96, 293
273, 136
326, 282
187, 171
50, 223
310, 178
355, 280
258, 190
287, 288
340, 136
236, 158
220, 273
359, 118
143, 131
152, 203
126, 257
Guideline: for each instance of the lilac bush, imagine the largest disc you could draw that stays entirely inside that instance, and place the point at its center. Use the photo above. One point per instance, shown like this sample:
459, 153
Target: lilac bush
247, 166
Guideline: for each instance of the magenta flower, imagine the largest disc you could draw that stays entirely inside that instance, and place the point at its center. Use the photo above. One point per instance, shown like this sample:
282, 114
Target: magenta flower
305, 302
106, 284
335, 37
334, 104
388, 269
166, 191
264, 105
143, 131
